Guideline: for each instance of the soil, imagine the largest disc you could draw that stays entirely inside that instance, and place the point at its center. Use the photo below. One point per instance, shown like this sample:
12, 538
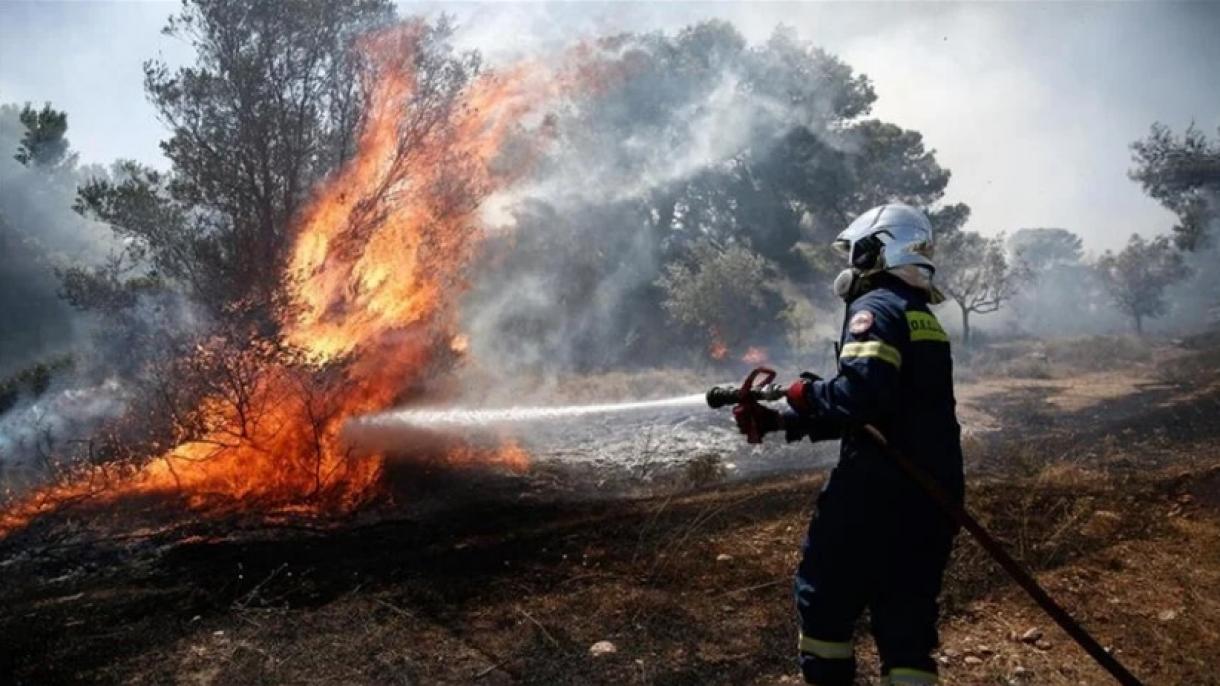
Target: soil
1106, 484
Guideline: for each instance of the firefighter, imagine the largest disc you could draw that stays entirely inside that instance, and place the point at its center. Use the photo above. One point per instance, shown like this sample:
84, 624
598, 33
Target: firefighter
876, 541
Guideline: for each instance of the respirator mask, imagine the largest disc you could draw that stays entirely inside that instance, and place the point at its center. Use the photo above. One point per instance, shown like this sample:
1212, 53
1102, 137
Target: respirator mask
867, 257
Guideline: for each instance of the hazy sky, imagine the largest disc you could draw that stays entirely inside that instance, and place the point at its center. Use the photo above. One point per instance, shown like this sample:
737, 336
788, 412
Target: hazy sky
1032, 106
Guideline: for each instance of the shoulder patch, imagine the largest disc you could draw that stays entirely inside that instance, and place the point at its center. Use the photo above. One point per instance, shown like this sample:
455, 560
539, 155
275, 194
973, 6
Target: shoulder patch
860, 322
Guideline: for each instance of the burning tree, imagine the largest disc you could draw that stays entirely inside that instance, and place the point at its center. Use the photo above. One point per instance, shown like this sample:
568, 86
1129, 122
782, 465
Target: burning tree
1138, 276
269, 108
359, 310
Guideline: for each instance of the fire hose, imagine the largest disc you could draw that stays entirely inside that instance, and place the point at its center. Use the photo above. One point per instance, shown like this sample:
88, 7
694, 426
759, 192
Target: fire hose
756, 389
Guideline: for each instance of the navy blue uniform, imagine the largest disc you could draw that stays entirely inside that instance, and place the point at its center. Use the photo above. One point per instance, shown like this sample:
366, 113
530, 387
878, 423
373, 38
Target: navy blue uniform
876, 540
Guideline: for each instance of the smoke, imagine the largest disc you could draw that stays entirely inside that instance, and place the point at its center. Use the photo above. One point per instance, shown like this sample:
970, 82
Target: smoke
64, 373
53, 431
1196, 301
39, 231
573, 253
1066, 297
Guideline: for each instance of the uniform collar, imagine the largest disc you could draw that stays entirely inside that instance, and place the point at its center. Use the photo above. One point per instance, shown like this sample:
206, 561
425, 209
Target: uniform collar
895, 282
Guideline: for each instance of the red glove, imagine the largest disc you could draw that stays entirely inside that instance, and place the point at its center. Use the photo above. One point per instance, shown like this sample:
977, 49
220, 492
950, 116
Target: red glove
797, 395
756, 420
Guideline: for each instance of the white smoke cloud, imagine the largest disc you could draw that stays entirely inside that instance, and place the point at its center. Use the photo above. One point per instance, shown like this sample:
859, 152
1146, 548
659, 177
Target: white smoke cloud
54, 429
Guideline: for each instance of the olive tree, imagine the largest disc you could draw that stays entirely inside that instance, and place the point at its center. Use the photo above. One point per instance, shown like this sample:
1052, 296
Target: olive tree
975, 272
1137, 276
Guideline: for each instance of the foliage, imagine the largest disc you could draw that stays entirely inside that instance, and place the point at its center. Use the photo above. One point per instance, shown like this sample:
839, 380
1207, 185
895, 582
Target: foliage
689, 137
43, 144
974, 272
1183, 174
38, 232
1063, 295
1044, 249
270, 106
723, 293
34, 380
1137, 277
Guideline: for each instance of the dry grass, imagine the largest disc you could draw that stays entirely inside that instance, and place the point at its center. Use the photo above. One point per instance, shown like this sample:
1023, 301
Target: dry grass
1055, 359
692, 588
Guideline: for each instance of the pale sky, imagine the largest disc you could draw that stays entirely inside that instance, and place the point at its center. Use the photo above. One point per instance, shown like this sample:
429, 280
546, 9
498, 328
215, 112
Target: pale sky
1032, 106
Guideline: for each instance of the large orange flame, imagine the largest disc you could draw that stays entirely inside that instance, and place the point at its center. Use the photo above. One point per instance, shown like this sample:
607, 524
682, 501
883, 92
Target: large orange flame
378, 259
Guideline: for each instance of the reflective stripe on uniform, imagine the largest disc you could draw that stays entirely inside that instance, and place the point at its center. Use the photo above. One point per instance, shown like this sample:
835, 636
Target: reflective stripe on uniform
877, 349
925, 327
904, 675
829, 650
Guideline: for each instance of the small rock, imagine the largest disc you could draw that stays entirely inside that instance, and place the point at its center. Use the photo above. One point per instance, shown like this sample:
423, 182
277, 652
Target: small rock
1031, 635
1043, 644
972, 660
724, 557
1167, 615
983, 649
602, 648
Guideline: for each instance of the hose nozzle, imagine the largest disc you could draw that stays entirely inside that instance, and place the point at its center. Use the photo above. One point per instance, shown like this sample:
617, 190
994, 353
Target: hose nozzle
723, 396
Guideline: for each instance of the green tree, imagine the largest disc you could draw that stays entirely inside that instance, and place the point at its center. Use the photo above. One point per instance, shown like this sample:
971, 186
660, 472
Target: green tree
43, 143
1044, 249
722, 294
1183, 174
1137, 277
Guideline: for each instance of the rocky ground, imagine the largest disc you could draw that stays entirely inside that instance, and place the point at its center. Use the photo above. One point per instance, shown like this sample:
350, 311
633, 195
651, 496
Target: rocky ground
671, 567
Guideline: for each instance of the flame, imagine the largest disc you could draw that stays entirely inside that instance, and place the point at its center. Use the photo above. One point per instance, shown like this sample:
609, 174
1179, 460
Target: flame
717, 350
378, 259
755, 355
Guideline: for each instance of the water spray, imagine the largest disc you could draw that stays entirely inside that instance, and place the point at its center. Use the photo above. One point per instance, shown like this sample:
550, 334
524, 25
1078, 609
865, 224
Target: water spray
756, 388
438, 418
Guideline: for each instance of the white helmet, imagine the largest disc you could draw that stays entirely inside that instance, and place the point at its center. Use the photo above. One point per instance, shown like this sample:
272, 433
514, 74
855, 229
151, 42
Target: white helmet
886, 237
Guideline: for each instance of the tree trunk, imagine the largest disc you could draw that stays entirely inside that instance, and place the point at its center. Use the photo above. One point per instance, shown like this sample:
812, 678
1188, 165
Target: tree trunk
965, 325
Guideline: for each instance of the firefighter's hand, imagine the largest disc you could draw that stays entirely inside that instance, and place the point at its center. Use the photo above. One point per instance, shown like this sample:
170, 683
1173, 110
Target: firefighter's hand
757, 418
798, 393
